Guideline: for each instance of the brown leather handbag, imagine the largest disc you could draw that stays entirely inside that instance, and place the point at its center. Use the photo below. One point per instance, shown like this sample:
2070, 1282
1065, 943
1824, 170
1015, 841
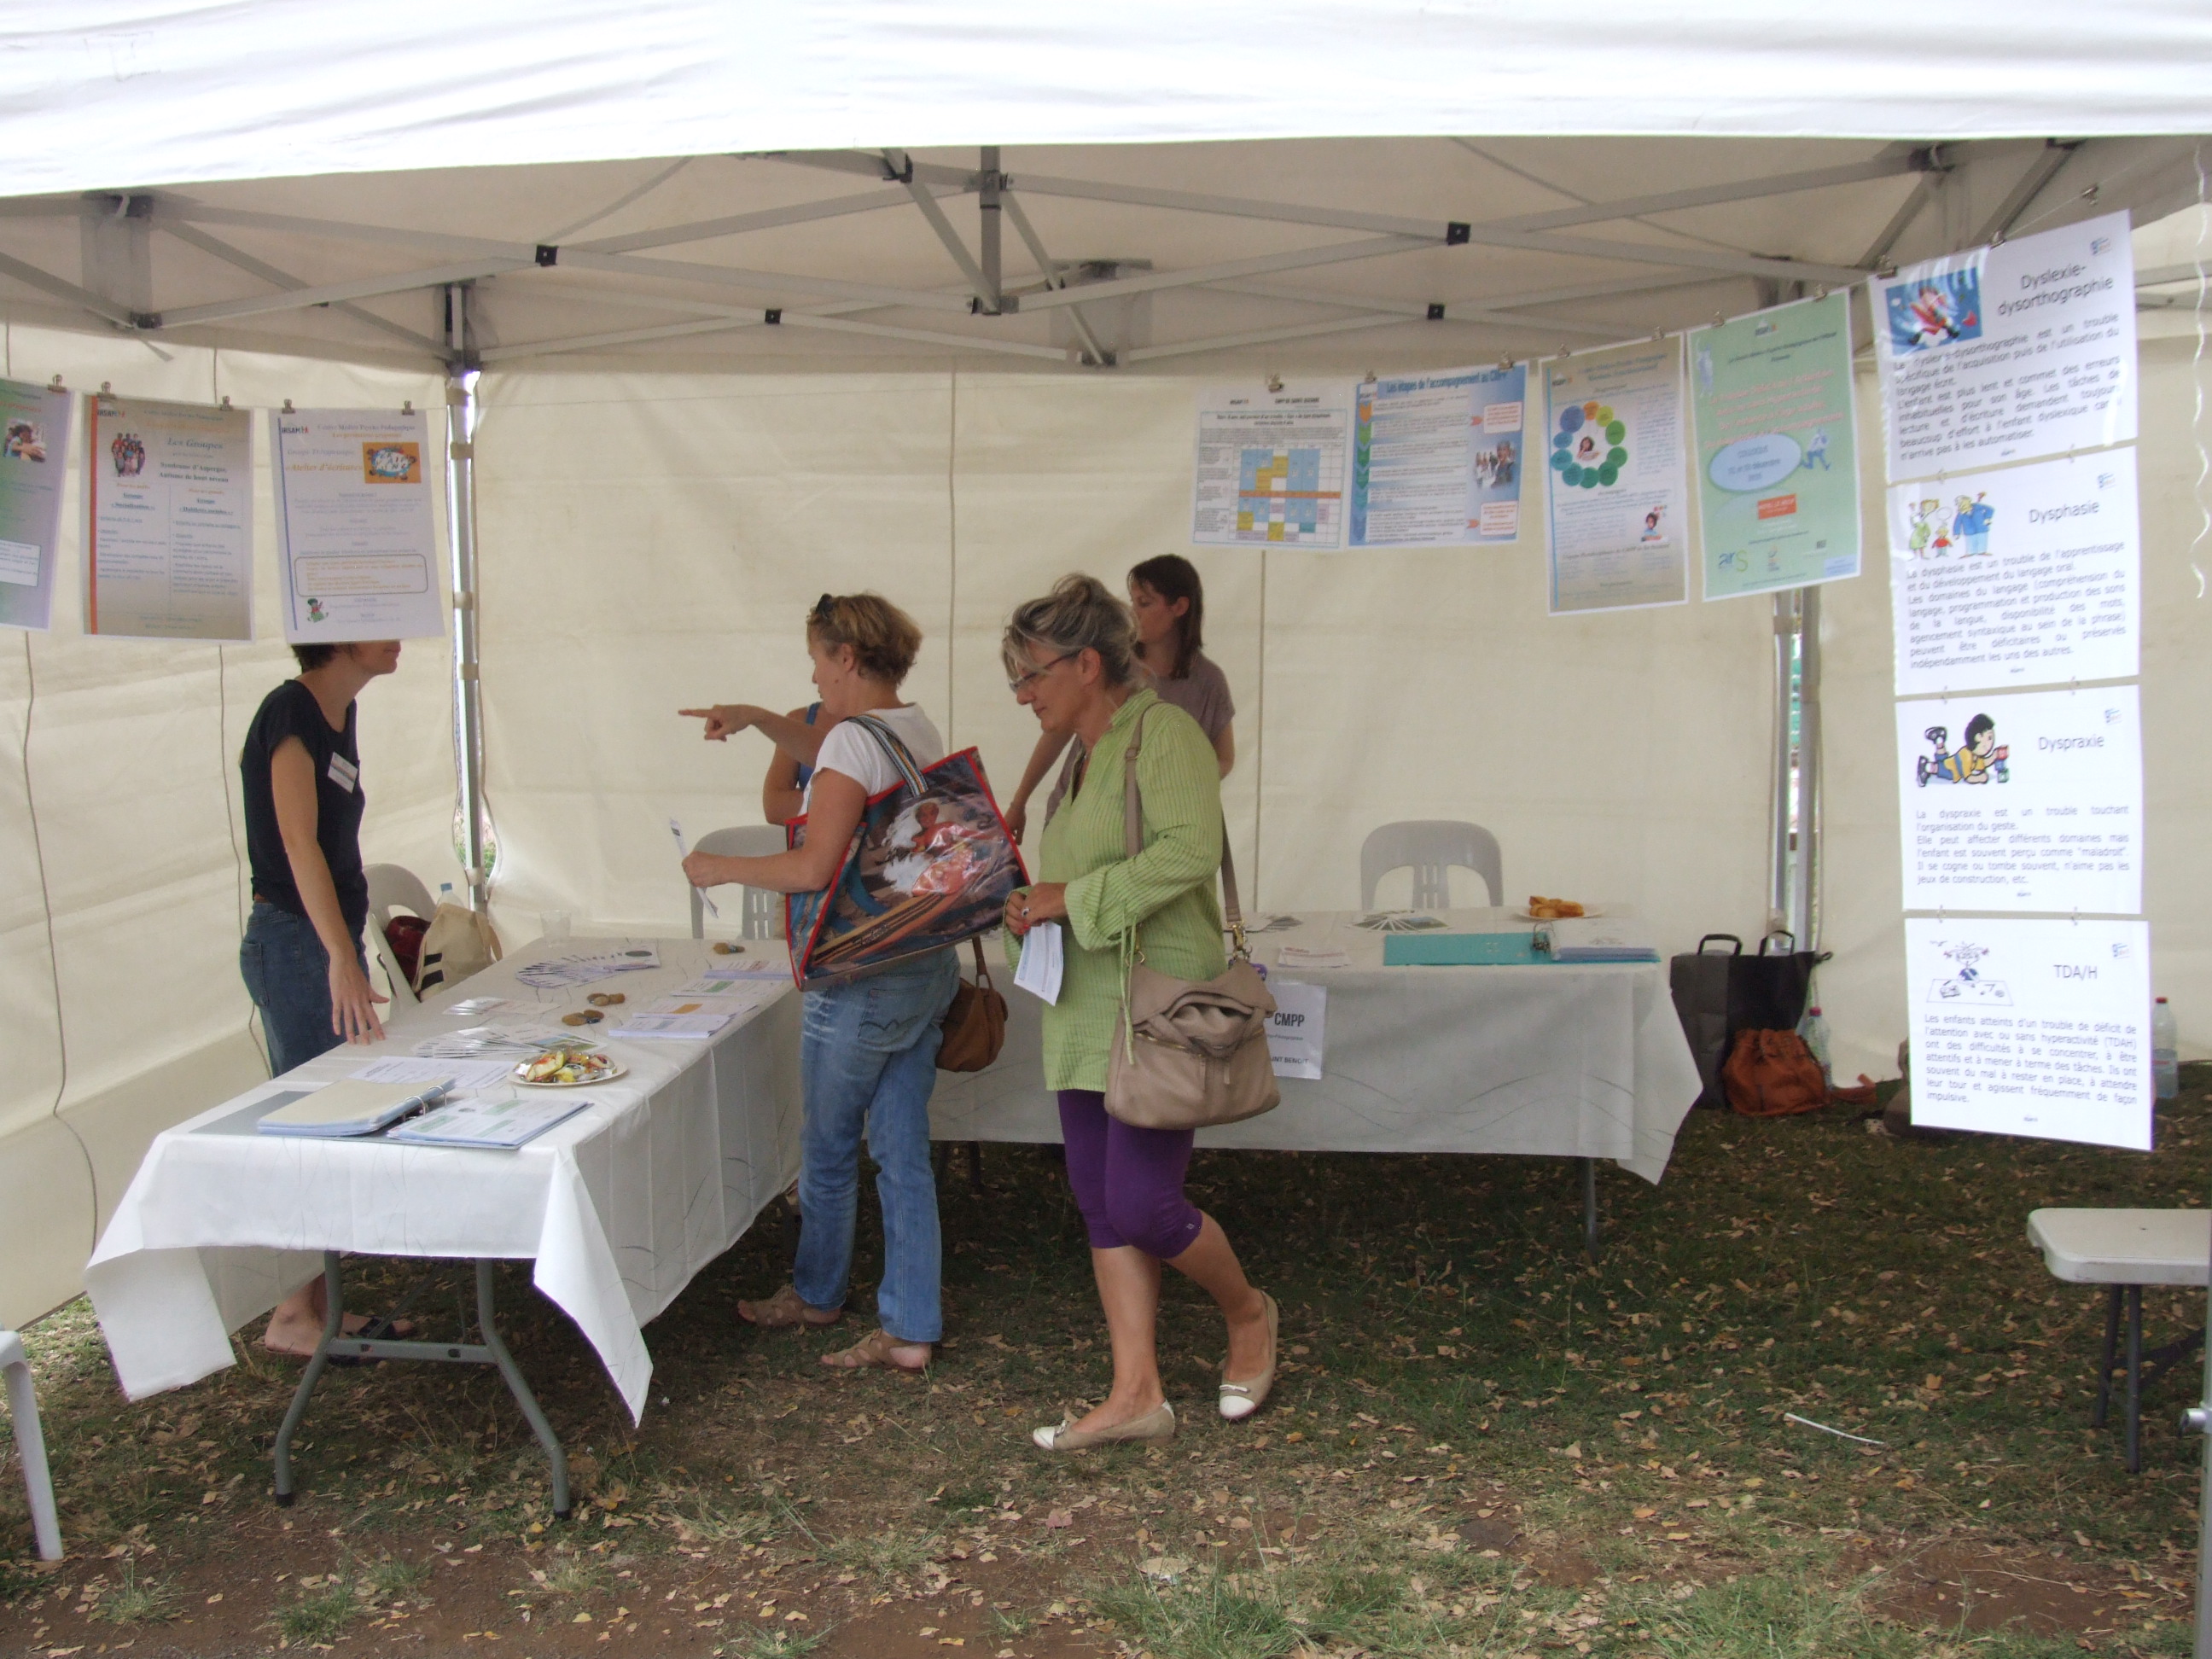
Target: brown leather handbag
975, 1024
1190, 1053
1773, 1074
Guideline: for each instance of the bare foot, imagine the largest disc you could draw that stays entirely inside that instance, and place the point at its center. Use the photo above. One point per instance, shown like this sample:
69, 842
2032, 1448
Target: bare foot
298, 1337
1248, 1341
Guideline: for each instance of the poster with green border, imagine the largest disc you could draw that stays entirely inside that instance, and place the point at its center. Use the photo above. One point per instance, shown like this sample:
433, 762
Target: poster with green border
1778, 450
34, 434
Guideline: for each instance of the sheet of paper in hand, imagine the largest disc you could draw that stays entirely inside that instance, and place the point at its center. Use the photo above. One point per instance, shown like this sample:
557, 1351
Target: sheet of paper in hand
931, 863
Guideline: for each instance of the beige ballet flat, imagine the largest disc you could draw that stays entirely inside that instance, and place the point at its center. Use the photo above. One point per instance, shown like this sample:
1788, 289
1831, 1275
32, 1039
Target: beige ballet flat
1157, 1423
1240, 1400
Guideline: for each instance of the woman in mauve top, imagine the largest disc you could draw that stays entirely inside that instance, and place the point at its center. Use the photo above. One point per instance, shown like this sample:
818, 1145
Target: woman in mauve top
1168, 601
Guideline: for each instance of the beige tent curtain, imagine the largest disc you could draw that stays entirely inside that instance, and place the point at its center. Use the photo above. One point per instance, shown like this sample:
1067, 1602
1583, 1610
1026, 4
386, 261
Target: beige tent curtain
679, 565
133, 767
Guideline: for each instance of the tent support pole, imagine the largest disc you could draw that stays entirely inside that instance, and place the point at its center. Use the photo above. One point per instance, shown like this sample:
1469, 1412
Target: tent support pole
1785, 646
461, 534
1805, 873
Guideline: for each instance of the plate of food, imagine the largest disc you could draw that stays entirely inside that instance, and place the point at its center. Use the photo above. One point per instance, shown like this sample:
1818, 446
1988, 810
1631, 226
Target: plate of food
566, 1066
1539, 908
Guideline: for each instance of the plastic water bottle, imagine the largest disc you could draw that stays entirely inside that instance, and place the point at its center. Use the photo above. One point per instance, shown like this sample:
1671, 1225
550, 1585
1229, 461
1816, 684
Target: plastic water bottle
1813, 1030
2164, 1050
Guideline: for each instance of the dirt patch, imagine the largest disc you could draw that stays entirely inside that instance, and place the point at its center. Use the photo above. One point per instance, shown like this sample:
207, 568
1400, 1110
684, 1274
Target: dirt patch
1980, 1589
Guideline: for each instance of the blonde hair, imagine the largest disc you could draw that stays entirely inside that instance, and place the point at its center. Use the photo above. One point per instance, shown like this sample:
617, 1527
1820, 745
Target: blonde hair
884, 639
1080, 614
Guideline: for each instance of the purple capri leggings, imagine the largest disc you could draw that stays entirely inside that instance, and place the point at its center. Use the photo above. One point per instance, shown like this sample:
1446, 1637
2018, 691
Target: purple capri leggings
1128, 1180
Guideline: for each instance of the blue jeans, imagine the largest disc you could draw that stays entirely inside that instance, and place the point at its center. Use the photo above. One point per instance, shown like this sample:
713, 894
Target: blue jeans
288, 974
867, 1061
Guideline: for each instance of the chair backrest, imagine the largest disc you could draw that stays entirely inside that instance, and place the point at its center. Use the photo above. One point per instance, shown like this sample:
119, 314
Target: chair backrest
394, 886
763, 914
1431, 847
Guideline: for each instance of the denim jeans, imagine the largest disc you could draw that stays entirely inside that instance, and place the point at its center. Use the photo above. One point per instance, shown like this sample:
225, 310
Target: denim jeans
288, 974
867, 1063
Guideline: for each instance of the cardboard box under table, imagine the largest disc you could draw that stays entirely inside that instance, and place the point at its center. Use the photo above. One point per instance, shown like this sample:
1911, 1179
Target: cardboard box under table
616, 1206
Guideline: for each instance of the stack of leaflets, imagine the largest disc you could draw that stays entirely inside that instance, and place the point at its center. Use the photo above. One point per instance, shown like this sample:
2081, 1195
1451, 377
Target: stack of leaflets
339, 1110
1595, 938
500, 1125
693, 1018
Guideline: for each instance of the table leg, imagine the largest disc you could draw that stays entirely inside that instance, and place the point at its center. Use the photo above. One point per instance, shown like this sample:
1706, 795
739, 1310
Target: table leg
333, 1317
2108, 1353
520, 1389
2135, 1379
1589, 1208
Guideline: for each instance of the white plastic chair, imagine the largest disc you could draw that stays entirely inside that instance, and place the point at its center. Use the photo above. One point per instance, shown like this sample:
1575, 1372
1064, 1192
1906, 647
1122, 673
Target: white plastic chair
31, 1445
1431, 847
762, 914
393, 886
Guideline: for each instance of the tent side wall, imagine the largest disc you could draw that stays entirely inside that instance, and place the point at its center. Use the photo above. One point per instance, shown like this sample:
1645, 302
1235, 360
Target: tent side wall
132, 766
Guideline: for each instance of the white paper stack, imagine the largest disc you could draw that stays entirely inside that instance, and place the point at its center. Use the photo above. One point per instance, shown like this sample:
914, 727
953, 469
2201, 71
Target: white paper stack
500, 1125
1595, 938
1042, 962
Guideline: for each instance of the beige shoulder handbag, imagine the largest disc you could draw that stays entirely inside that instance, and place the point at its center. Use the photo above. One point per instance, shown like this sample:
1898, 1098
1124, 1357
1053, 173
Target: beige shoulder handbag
1190, 1054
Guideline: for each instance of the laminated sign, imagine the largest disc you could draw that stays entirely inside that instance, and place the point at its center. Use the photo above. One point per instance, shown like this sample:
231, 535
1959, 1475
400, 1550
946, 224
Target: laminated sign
1295, 1031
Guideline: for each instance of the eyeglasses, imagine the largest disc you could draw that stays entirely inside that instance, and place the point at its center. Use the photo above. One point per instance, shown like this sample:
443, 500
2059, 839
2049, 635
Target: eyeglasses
1018, 686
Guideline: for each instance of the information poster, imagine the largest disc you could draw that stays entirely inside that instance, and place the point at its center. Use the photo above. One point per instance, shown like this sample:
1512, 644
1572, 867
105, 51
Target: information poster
356, 542
1777, 457
1436, 458
2024, 800
2028, 576
34, 434
167, 535
2032, 1028
1271, 465
1616, 478
2008, 353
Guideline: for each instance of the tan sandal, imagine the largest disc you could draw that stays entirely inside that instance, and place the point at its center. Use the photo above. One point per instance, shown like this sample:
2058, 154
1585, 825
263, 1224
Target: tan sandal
785, 1308
1240, 1400
875, 1350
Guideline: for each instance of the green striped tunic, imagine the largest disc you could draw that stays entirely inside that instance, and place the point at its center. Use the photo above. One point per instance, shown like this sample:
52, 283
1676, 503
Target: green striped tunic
1169, 887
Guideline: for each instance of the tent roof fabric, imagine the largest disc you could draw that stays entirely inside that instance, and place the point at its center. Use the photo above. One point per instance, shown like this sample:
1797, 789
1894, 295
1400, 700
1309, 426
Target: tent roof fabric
129, 94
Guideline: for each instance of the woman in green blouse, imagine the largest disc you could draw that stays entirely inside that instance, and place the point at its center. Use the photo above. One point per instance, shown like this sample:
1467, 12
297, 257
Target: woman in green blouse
1070, 656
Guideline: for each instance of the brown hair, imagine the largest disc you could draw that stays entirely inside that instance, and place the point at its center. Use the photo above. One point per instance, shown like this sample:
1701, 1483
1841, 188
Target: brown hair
311, 656
1173, 577
1080, 613
884, 639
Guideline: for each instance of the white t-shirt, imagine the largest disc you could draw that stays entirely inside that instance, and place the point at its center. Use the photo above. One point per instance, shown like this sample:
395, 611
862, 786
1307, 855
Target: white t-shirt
856, 753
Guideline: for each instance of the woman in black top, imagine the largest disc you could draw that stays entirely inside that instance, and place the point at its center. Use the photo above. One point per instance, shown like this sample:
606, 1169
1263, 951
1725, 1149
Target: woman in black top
302, 958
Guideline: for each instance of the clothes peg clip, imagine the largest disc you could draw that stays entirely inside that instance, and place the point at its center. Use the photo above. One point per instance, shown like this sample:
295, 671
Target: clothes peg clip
408, 407
1274, 382
226, 400
55, 385
287, 408
107, 388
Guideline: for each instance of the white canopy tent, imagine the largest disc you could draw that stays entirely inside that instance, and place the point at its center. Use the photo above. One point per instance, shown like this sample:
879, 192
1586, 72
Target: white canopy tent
942, 343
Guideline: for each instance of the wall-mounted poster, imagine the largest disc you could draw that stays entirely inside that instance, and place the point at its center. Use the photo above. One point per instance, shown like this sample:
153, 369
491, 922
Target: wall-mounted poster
2028, 576
2011, 352
2022, 800
2032, 1028
1271, 465
1615, 478
1778, 453
34, 434
356, 544
168, 546
1437, 458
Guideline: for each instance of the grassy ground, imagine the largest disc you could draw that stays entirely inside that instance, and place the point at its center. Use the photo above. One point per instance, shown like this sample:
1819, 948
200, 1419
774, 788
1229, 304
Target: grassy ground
1483, 1444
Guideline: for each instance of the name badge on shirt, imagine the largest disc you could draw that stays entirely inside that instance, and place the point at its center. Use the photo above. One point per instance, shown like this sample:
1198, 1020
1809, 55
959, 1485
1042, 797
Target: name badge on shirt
343, 773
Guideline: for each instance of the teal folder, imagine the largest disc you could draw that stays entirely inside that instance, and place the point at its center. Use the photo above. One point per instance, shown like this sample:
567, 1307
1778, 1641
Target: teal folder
1462, 950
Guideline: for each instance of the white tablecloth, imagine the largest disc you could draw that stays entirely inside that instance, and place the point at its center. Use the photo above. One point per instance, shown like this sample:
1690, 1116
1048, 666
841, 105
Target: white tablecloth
1547, 1060
618, 1207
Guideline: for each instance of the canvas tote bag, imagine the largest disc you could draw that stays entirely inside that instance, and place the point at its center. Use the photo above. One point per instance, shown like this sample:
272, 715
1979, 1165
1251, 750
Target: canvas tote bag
459, 942
1191, 1053
930, 864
